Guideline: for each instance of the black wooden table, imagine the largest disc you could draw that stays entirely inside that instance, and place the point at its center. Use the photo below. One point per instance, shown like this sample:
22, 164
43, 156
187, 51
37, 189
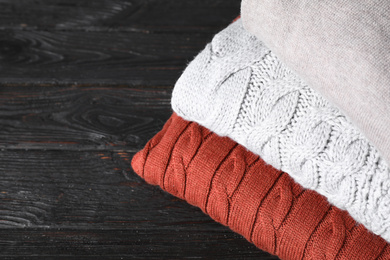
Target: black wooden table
84, 85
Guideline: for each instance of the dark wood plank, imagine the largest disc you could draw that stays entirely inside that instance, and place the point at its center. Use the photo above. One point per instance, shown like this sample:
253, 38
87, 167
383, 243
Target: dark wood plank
151, 15
86, 117
58, 203
131, 58
127, 244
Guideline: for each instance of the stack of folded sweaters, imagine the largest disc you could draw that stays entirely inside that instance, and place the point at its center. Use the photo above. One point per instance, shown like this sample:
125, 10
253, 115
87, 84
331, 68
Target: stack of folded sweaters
280, 129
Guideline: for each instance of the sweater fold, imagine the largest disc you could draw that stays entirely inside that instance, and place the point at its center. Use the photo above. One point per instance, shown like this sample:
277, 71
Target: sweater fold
237, 87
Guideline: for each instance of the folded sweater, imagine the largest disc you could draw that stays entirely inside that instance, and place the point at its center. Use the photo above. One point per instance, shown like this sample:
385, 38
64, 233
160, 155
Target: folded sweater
237, 87
238, 189
340, 48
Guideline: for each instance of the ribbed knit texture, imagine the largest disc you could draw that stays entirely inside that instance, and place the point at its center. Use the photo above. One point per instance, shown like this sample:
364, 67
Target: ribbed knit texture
237, 87
238, 189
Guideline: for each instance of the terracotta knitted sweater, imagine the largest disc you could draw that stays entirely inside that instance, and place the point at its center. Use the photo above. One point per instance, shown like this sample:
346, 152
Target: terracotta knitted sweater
236, 188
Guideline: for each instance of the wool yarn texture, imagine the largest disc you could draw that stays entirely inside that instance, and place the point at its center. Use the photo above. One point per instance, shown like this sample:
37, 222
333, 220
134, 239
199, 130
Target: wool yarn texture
340, 48
238, 189
237, 87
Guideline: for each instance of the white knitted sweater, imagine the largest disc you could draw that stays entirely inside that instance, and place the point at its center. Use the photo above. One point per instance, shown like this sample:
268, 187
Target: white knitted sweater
237, 87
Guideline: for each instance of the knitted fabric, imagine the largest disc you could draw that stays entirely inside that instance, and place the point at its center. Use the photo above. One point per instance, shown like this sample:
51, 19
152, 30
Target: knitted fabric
238, 189
340, 48
237, 87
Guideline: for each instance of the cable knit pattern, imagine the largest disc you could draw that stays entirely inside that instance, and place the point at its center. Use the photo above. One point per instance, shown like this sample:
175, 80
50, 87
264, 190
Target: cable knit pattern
237, 87
238, 189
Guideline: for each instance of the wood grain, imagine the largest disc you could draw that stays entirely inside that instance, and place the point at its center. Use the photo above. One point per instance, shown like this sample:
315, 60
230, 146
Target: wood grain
83, 117
124, 15
61, 189
90, 203
132, 58
137, 243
